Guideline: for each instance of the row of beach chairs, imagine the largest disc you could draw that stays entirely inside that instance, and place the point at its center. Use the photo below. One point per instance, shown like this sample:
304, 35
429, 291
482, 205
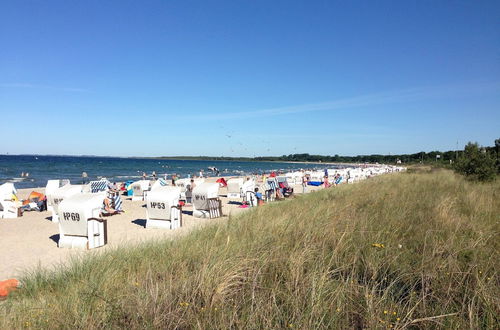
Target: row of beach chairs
78, 208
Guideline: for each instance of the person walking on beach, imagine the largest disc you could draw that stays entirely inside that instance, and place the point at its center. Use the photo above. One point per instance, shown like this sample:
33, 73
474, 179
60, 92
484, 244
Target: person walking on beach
154, 175
144, 176
84, 177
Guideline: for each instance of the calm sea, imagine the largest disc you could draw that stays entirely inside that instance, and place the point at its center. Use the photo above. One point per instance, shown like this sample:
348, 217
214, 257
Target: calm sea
43, 168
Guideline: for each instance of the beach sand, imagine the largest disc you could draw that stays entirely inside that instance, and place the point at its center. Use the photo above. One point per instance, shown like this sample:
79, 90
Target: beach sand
30, 241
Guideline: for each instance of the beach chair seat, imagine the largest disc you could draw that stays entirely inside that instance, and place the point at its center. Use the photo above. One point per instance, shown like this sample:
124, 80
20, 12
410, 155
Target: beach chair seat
79, 222
162, 208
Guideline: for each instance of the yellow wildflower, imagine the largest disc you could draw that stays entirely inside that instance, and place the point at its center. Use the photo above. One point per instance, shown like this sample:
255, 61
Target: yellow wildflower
385, 312
378, 245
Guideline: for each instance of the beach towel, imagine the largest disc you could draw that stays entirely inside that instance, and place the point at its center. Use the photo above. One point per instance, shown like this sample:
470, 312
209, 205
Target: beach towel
315, 183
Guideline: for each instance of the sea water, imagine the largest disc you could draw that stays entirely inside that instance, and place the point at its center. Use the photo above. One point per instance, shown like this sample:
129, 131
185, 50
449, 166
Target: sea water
43, 168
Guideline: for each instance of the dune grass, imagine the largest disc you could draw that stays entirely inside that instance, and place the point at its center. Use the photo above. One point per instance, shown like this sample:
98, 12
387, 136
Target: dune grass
416, 250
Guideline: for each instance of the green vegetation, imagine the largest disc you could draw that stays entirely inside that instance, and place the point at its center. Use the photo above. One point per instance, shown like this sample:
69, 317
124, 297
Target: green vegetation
433, 157
477, 164
402, 250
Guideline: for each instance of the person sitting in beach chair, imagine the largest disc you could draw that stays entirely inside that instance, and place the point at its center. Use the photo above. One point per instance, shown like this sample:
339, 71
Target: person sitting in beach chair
108, 208
259, 197
113, 198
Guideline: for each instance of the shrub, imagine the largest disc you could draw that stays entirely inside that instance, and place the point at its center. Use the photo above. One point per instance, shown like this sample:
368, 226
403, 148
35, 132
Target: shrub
476, 164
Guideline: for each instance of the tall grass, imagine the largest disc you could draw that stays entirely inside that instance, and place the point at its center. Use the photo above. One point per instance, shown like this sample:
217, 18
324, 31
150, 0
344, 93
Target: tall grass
406, 250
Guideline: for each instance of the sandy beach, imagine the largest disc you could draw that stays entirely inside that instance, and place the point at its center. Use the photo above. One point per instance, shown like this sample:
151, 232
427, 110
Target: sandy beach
30, 241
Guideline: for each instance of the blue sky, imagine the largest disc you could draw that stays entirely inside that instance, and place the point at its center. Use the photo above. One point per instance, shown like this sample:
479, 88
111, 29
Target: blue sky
245, 78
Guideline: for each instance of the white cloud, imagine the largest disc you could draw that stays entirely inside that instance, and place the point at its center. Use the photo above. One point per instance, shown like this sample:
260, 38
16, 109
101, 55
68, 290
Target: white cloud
389, 97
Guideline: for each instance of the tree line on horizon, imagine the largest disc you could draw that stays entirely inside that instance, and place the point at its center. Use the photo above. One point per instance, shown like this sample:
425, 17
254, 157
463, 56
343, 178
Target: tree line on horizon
445, 157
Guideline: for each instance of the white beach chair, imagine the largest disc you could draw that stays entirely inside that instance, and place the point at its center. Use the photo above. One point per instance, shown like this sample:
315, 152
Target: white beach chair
251, 198
185, 184
58, 195
162, 209
79, 222
297, 178
270, 187
234, 186
139, 188
206, 202
51, 186
238, 187
8, 207
159, 184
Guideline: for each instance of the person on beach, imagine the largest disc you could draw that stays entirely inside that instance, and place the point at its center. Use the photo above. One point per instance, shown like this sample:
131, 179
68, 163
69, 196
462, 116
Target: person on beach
154, 175
326, 183
304, 184
107, 207
189, 191
201, 173
144, 176
84, 177
258, 195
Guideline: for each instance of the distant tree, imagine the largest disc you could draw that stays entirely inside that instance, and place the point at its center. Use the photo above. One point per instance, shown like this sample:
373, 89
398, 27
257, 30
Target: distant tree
476, 163
497, 152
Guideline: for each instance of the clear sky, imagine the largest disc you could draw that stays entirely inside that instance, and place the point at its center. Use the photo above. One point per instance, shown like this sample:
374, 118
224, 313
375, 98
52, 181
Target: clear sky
245, 78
